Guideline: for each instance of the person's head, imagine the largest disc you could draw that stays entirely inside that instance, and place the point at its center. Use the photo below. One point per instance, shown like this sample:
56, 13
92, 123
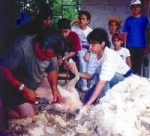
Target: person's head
114, 24
48, 44
84, 18
45, 15
98, 39
136, 7
118, 40
64, 27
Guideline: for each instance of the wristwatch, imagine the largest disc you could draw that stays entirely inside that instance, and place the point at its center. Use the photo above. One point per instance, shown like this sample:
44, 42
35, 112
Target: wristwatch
21, 87
64, 60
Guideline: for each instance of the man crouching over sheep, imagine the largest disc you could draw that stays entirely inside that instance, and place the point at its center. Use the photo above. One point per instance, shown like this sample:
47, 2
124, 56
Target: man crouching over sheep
23, 69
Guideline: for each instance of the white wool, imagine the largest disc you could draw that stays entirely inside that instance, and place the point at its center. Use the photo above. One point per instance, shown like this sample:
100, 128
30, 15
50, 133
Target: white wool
37, 131
124, 111
70, 96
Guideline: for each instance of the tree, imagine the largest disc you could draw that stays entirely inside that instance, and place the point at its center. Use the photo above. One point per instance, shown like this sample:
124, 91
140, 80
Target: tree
62, 8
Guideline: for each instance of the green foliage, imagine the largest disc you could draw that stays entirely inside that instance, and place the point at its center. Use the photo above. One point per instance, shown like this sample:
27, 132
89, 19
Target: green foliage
70, 13
62, 8
57, 7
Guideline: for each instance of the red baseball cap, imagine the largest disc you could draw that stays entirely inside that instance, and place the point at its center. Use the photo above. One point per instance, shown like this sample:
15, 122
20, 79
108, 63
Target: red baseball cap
118, 35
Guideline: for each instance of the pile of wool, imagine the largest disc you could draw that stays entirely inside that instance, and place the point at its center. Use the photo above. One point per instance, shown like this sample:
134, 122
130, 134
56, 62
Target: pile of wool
48, 123
124, 111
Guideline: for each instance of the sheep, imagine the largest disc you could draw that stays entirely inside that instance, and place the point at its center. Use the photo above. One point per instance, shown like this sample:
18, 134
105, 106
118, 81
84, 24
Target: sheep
123, 111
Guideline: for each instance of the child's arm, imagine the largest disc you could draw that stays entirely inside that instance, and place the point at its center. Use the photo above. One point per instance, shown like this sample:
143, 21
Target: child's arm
69, 55
74, 22
86, 57
128, 60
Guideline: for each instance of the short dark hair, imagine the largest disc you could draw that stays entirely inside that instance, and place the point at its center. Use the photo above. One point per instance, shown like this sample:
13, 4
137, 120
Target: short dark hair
99, 35
45, 12
86, 13
63, 24
50, 39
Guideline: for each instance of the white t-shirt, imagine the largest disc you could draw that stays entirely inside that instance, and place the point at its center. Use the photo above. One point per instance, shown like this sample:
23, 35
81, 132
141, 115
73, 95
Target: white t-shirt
110, 63
124, 53
82, 34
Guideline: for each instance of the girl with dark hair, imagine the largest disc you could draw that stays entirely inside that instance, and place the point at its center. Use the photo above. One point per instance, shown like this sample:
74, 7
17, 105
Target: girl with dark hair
111, 67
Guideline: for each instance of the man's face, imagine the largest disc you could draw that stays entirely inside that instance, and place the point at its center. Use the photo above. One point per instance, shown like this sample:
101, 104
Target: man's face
46, 22
65, 32
43, 55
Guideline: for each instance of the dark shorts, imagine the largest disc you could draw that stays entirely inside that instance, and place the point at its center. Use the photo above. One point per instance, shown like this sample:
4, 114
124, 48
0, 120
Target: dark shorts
11, 97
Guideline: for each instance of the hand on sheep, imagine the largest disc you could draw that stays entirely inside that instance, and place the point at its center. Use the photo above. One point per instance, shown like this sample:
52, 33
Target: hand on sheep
80, 112
56, 97
29, 95
73, 67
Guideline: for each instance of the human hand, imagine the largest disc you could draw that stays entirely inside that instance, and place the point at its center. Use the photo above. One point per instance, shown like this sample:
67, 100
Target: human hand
56, 97
29, 95
86, 57
67, 65
60, 60
80, 112
74, 22
73, 67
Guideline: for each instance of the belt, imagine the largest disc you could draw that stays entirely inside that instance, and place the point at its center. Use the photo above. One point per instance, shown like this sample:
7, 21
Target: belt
85, 47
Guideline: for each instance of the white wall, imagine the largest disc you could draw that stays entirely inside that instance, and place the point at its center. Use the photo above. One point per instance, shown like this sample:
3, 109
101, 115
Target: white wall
102, 10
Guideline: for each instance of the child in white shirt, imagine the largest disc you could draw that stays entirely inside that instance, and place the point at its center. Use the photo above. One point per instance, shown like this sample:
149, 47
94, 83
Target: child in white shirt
118, 42
82, 29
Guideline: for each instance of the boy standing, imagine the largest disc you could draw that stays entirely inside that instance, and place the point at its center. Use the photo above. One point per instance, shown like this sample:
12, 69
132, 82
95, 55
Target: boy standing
82, 29
134, 29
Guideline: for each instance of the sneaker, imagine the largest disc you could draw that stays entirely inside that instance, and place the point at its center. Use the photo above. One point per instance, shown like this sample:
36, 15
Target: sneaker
84, 88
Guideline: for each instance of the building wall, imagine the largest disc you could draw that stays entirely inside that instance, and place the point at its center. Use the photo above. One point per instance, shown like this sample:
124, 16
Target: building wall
102, 10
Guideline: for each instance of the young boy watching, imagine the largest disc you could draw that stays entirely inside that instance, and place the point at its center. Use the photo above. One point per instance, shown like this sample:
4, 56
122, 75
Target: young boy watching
134, 30
82, 29
71, 41
114, 25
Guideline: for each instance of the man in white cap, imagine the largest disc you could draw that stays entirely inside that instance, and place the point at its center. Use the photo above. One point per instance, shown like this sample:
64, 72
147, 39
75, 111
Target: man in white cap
134, 29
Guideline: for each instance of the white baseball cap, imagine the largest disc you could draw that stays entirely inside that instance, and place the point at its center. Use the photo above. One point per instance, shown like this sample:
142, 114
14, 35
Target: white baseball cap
135, 2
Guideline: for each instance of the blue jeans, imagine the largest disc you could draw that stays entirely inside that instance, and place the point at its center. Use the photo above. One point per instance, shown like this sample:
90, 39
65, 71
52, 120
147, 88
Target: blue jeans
82, 66
109, 84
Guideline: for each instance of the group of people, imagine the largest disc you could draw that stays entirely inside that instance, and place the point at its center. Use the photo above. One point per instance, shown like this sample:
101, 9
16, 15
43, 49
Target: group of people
101, 56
